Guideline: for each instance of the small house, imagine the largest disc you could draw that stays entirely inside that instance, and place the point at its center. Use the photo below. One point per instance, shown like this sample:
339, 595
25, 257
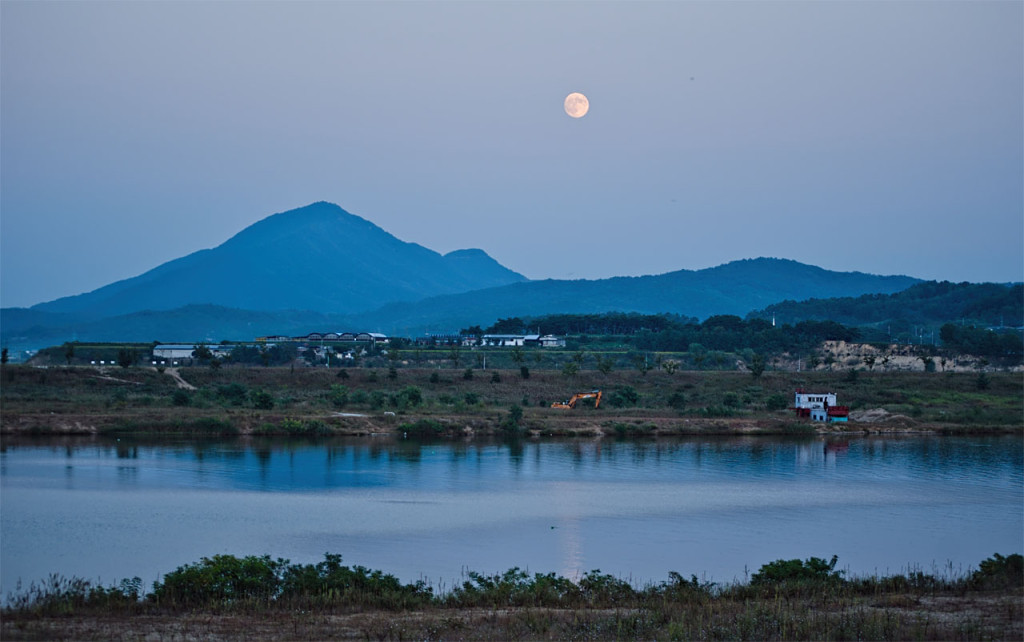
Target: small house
820, 406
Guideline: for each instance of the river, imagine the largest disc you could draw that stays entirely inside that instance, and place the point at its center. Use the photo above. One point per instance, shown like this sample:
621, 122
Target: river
106, 509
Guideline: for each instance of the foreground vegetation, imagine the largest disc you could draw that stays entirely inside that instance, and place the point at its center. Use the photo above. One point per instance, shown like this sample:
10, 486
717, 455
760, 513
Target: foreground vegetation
311, 401
227, 597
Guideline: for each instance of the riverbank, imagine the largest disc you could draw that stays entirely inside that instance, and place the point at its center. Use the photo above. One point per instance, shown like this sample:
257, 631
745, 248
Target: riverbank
228, 598
464, 403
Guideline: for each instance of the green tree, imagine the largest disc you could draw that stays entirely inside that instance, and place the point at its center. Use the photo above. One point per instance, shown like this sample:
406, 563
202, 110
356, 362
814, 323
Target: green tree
513, 325
69, 353
125, 357
515, 416
517, 355
641, 363
202, 353
929, 364
472, 331
339, 395
604, 364
3, 356
670, 366
757, 365
455, 355
570, 369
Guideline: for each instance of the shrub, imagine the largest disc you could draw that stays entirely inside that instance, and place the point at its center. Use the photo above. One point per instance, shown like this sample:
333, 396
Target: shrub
213, 425
262, 400
515, 415
495, 377
339, 395
716, 411
998, 572
677, 400
356, 585
221, 579
180, 398
423, 427
233, 393
524, 372
472, 398
624, 397
814, 570
777, 401
378, 399
434, 377
514, 587
410, 396
603, 589
468, 374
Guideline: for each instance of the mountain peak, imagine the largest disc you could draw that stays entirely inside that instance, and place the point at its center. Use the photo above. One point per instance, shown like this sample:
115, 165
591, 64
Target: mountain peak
317, 257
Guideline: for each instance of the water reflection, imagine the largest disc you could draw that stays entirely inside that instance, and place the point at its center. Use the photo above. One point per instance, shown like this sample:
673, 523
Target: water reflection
428, 508
298, 465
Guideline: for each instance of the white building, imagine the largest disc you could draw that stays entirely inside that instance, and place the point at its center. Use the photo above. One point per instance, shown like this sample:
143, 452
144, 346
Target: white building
811, 400
820, 406
551, 341
185, 350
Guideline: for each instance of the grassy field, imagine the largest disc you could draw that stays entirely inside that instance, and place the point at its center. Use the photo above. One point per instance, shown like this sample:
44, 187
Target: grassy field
231, 598
304, 400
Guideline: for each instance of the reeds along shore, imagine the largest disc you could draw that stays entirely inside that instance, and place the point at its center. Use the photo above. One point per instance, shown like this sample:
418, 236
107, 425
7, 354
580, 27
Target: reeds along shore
229, 597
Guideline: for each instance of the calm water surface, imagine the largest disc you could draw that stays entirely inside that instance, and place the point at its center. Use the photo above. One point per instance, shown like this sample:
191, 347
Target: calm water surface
107, 509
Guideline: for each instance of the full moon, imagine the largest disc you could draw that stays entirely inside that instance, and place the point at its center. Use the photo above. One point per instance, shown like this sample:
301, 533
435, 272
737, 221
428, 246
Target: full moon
576, 105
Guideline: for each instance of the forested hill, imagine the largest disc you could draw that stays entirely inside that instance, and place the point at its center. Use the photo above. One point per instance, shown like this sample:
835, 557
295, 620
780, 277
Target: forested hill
733, 288
931, 303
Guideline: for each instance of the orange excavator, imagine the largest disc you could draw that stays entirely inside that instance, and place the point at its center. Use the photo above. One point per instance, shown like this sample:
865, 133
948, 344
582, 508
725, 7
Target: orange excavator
571, 403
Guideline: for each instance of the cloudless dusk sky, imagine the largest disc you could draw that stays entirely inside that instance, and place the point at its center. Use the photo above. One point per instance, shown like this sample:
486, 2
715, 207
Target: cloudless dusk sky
884, 137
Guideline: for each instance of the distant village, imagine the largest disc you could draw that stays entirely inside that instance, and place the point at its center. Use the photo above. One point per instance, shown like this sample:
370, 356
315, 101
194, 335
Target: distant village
183, 351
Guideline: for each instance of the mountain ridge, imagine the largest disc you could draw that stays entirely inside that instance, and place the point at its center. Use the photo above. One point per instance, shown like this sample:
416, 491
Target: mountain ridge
320, 264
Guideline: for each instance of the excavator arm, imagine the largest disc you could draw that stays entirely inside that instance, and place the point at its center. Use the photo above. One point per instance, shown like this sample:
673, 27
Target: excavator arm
572, 401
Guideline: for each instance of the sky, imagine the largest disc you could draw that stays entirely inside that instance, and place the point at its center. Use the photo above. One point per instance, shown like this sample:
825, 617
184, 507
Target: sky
882, 137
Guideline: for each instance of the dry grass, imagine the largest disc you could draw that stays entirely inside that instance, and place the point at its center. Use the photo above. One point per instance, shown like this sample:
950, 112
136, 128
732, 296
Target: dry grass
970, 616
91, 400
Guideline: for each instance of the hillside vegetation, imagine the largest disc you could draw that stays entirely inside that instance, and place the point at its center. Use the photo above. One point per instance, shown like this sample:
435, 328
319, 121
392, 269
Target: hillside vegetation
905, 316
446, 399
